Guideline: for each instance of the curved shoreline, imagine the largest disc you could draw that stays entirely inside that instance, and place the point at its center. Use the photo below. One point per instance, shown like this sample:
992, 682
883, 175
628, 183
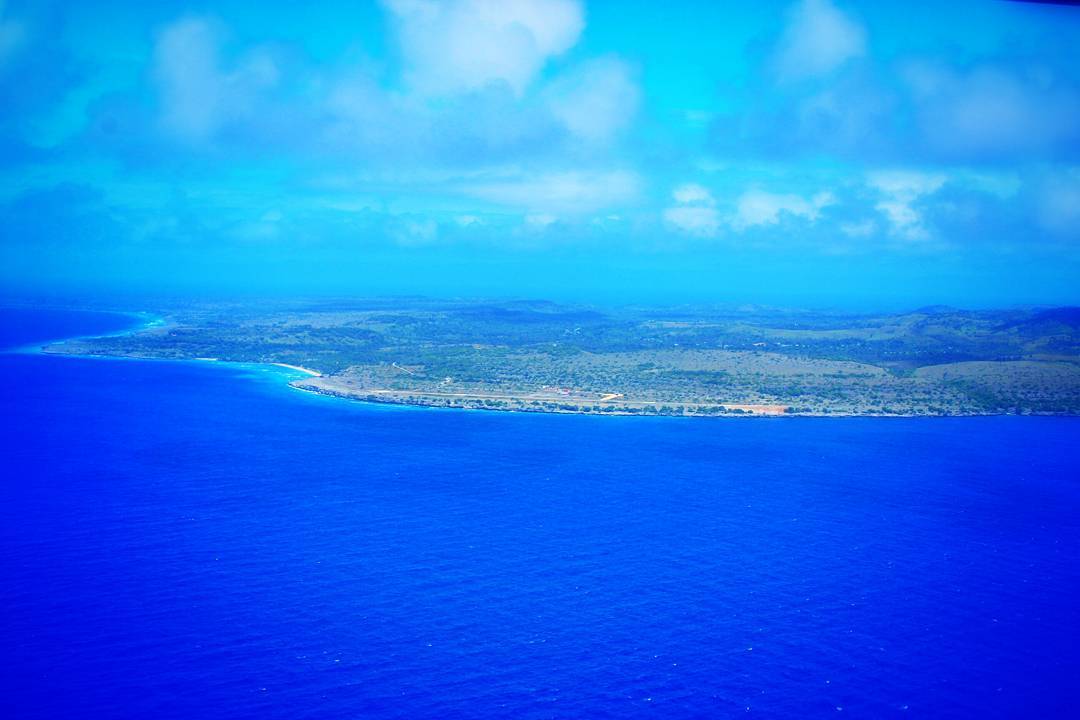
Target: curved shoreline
146, 320
299, 368
479, 401
375, 399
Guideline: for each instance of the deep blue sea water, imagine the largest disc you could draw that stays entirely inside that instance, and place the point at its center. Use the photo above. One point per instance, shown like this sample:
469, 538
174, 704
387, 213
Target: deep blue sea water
198, 540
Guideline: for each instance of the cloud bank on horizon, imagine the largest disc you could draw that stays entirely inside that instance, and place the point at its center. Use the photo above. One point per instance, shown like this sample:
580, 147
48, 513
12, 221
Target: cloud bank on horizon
814, 136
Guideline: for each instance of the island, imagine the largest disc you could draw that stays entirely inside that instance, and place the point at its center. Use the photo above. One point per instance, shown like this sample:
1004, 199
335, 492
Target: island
539, 356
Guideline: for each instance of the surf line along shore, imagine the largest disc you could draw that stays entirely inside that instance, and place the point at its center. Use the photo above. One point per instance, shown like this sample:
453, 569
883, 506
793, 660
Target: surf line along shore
298, 368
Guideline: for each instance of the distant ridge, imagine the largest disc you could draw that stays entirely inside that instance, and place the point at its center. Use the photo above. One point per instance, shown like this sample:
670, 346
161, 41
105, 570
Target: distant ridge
1054, 321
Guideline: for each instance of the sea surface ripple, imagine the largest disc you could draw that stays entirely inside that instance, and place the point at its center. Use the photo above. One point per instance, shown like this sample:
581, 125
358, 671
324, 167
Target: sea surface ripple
198, 540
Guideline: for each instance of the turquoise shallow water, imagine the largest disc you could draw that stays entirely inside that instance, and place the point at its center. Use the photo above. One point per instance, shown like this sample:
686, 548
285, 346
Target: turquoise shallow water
184, 540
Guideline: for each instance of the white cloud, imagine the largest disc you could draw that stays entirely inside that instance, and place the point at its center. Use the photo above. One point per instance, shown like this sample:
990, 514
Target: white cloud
1059, 203
608, 221
567, 192
197, 95
596, 100
692, 193
462, 45
360, 113
900, 190
541, 220
694, 212
410, 231
818, 38
757, 207
907, 184
903, 218
189, 80
695, 220
12, 38
993, 111
861, 229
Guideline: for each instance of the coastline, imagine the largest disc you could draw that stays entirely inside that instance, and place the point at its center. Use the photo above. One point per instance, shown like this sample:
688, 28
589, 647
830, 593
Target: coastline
544, 400
388, 398
298, 368
145, 321
375, 398
54, 348
149, 320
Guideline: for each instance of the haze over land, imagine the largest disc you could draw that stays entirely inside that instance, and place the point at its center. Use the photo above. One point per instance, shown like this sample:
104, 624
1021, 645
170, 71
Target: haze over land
873, 157
810, 153
687, 360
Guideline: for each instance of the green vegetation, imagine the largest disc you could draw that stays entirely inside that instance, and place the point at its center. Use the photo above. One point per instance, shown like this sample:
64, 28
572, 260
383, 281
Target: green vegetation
669, 361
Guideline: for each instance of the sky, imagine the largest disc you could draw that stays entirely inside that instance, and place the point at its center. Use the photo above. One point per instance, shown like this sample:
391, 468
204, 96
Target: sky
815, 152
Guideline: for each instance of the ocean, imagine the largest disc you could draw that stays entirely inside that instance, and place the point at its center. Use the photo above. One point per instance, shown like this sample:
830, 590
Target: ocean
199, 540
